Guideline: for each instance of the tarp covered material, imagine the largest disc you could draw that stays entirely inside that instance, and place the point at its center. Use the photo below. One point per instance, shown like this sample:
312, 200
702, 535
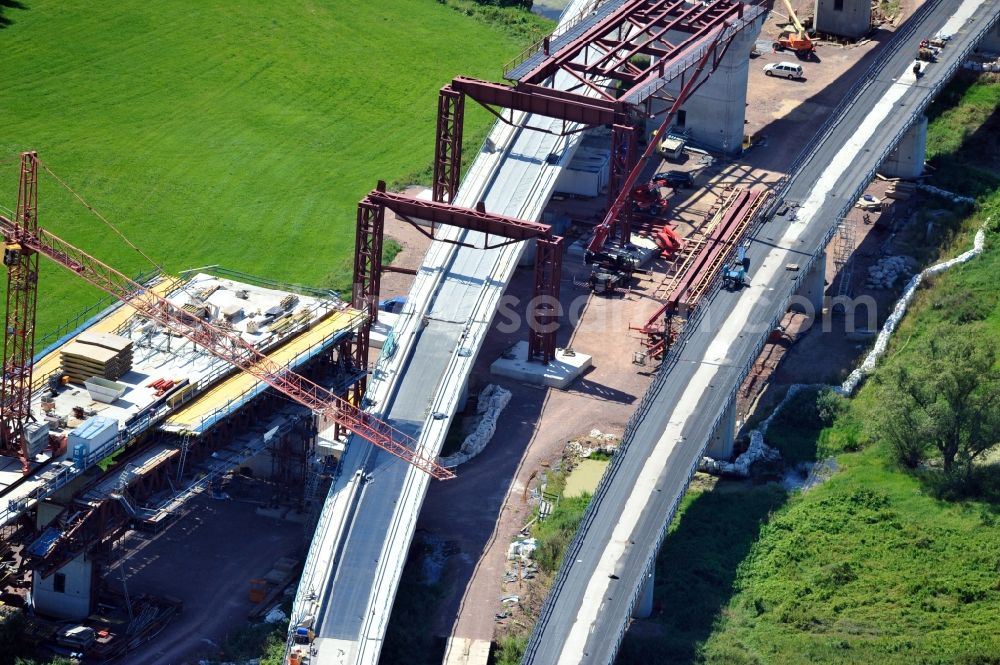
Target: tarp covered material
758, 449
491, 402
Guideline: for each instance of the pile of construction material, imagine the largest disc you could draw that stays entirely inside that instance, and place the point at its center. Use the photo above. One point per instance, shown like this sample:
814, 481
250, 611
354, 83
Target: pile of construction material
900, 190
102, 355
885, 273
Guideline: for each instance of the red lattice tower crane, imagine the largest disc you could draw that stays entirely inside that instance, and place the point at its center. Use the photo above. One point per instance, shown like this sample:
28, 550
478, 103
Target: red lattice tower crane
25, 242
19, 336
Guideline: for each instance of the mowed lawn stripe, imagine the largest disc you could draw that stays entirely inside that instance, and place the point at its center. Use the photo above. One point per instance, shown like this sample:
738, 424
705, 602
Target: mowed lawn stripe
226, 132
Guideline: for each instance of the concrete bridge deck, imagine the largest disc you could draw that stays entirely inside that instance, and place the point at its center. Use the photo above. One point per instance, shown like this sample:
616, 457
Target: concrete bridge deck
610, 561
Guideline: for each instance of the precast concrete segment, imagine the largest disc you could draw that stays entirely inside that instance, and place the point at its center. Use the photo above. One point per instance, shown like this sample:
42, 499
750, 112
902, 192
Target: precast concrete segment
595, 592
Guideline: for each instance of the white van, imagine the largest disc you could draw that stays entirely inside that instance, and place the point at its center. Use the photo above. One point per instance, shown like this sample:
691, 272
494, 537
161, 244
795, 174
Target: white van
789, 70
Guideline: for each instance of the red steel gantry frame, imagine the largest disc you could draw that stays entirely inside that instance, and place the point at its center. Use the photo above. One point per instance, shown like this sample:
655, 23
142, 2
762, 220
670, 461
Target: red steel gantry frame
619, 92
548, 256
27, 239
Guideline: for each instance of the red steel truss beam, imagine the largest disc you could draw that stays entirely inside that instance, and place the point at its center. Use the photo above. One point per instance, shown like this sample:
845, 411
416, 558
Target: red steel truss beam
225, 345
611, 218
366, 283
703, 267
567, 106
623, 146
466, 218
19, 332
448, 145
549, 102
544, 319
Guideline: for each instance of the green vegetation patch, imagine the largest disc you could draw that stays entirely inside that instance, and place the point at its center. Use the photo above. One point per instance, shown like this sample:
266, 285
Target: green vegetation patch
871, 565
227, 132
963, 138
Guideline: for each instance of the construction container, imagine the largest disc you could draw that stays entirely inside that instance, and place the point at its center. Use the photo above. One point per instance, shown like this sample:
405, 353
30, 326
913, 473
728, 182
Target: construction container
94, 433
587, 173
37, 435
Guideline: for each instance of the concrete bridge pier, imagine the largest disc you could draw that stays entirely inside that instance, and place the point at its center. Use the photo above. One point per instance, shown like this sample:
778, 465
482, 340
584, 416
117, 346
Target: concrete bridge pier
907, 159
843, 18
714, 115
720, 444
809, 298
644, 608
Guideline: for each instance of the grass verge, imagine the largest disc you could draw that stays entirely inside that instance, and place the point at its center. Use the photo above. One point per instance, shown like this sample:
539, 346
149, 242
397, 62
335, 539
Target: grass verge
225, 132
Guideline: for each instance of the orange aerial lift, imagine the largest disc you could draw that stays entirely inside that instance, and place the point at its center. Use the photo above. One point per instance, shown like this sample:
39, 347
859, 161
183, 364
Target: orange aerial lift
25, 242
797, 40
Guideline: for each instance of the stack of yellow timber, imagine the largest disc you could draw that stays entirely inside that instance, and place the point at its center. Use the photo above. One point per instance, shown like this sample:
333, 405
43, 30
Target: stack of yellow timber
96, 354
900, 190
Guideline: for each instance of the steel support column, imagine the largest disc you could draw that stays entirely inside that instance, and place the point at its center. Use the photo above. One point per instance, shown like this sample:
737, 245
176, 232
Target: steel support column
623, 158
448, 145
543, 317
367, 276
19, 331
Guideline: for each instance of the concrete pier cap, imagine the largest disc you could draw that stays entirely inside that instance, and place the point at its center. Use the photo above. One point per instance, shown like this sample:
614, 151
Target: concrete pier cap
714, 115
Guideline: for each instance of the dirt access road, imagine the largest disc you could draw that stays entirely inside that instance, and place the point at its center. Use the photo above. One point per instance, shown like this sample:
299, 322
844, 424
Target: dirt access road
537, 424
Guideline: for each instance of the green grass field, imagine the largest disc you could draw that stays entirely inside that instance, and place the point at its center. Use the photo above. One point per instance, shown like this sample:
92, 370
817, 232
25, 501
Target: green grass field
225, 131
869, 566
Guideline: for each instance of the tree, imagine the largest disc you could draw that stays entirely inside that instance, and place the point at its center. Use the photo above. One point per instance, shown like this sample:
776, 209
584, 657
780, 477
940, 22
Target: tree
948, 400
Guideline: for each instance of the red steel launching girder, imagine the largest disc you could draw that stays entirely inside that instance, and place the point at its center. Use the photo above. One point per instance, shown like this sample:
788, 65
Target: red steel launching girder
19, 331
221, 343
640, 27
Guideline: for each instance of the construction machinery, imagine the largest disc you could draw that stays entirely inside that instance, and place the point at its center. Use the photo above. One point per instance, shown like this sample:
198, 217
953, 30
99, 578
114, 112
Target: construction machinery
648, 198
735, 274
794, 40
25, 242
668, 241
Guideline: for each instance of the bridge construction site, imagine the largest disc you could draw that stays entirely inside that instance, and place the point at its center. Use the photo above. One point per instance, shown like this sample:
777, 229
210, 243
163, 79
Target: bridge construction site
626, 171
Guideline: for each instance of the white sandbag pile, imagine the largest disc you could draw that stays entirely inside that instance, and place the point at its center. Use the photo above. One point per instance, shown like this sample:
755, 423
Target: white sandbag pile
945, 194
491, 402
882, 341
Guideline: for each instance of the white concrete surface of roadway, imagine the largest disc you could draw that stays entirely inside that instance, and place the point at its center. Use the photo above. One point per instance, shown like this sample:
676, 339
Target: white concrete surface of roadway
609, 562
